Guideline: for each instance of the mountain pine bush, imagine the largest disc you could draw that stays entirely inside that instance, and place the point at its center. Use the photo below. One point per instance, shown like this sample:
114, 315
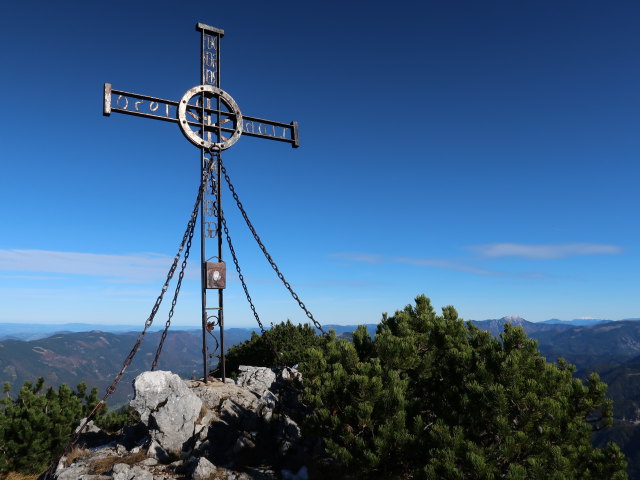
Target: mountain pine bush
432, 397
37, 424
289, 341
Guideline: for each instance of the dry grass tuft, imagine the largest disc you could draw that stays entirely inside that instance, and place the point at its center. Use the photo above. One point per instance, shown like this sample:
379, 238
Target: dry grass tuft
18, 476
103, 465
74, 454
204, 410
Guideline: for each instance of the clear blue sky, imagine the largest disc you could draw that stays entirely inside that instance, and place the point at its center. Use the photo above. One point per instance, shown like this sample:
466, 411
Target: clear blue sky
483, 153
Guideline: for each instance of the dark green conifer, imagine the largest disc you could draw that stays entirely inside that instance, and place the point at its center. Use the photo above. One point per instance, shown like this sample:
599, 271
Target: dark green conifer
37, 424
433, 397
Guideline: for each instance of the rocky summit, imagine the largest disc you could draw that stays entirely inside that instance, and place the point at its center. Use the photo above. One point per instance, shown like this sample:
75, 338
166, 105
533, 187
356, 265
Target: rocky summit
242, 429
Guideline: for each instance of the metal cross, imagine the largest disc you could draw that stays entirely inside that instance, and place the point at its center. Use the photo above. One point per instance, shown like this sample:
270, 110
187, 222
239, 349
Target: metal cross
211, 120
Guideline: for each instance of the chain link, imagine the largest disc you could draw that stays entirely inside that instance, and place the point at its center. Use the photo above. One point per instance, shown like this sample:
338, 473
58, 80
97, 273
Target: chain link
189, 232
174, 301
186, 242
244, 285
266, 253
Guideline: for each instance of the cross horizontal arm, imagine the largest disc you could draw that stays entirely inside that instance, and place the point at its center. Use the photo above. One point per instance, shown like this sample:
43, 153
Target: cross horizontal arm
167, 110
282, 132
139, 105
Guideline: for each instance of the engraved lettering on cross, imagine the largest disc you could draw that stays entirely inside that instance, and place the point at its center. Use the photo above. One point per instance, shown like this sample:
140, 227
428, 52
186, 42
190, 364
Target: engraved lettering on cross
210, 229
209, 59
209, 208
126, 101
206, 127
210, 42
209, 76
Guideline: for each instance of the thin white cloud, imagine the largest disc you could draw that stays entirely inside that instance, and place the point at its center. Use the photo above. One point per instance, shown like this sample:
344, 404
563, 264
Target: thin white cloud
444, 263
133, 268
373, 258
544, 252
358, 257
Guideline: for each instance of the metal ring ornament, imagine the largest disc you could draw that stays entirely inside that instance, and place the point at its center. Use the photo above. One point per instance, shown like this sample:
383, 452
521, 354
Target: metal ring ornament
227, 100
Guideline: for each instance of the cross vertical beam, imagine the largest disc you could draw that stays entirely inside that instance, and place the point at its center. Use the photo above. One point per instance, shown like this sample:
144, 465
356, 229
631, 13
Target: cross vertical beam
210, 75
211, 120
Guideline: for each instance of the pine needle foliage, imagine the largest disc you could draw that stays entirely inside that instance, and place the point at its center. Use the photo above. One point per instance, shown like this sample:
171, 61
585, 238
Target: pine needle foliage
283, 344
433, 397
36, 425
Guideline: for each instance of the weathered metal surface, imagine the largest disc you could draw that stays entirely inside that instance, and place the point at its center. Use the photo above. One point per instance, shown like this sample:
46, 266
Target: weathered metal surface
139, 105
281, 132
199, 113
216, 275
106, 100
201, 27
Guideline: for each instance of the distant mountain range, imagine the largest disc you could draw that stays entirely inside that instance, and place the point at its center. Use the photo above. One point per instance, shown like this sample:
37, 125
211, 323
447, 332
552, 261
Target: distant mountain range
72, 353
36, 331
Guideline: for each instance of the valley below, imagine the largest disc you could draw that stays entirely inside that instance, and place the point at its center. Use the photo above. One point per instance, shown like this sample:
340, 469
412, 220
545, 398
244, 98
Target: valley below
609, 348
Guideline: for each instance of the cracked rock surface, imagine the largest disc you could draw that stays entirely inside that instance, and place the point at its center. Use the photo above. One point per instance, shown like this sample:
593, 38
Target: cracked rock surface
191, 430
168, 408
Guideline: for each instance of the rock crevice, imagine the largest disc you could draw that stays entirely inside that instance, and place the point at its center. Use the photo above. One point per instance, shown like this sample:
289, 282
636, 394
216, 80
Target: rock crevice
191, 430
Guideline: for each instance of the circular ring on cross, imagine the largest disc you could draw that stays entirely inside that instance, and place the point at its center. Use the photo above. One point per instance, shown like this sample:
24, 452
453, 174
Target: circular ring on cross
210, 118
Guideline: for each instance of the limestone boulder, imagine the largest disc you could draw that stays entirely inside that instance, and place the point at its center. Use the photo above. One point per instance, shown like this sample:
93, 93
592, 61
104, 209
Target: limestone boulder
168, 408
257, 379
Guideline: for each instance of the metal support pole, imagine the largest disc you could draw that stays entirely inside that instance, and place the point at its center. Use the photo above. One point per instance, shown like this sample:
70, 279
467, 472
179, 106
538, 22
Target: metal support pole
203, 256
203, 265
223, 365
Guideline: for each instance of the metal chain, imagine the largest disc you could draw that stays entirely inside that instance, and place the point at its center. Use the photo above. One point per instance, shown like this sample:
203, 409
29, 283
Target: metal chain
112, 388
190, 230
244, 285
266, 253
174, 301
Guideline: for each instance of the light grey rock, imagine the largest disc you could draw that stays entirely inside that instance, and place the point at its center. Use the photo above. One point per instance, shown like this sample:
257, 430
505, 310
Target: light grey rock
122, 471
290, 375
89, 428
168, 408
204, 469
149, 462
191, 421
73, 472
266, 405
156, 452
214, 394
139, 473
257, 379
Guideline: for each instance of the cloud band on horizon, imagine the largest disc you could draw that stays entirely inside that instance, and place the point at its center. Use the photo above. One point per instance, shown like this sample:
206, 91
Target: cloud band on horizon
544, 251
135, 268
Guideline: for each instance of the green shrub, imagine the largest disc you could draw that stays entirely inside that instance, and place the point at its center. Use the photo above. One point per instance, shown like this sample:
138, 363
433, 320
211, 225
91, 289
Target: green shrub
289, 341
432, 397
37, 424
115, 420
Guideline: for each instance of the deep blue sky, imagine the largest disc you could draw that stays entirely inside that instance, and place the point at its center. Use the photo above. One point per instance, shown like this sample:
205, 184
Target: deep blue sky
483, 153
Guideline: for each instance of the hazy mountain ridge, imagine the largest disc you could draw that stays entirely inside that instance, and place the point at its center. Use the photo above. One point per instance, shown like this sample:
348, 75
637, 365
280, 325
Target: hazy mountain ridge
96, 356
610, 348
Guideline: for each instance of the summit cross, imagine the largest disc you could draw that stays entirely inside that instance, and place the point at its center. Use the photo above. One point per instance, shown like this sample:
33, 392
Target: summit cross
211, 120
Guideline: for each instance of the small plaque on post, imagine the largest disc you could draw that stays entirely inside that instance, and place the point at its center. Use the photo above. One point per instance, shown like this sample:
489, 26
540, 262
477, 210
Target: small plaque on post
216, 275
